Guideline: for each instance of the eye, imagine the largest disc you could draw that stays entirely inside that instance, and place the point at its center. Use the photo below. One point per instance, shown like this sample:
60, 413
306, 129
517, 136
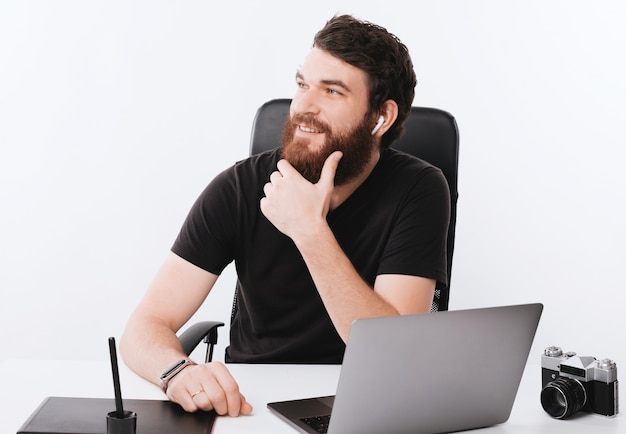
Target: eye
333, 91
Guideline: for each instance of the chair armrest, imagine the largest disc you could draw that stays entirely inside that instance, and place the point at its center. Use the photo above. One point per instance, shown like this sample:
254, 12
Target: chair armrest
207, 330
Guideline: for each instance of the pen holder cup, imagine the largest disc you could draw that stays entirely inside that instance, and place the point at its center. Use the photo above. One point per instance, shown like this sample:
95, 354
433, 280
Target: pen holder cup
127, 424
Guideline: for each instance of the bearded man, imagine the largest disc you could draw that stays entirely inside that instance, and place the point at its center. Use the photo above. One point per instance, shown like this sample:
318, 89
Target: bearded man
330, 227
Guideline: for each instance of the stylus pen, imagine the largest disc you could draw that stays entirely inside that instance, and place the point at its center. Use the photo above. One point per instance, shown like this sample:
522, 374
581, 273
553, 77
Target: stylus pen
116, 379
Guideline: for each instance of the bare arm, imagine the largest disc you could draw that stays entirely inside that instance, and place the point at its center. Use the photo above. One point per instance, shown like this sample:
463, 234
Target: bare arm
347, 296
298, 209
149, 344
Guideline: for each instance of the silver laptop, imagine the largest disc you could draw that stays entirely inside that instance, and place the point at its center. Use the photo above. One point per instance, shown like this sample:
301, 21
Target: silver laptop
427, 373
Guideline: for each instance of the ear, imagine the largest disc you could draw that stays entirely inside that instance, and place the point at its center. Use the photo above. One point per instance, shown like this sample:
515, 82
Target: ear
389, 111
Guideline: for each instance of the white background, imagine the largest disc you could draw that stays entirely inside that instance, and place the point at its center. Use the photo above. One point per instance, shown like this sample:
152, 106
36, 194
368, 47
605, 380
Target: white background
115, 114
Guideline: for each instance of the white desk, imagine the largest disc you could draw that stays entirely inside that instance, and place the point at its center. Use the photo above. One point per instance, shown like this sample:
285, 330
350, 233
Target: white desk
27, 382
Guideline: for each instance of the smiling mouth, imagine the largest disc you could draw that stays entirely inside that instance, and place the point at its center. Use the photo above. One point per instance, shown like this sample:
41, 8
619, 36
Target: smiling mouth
308, 130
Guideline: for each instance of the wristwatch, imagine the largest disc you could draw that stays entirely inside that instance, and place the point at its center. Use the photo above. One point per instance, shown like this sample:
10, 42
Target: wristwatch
173, 370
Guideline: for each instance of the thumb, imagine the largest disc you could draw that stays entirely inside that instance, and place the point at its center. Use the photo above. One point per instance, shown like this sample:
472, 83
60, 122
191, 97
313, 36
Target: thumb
330, 168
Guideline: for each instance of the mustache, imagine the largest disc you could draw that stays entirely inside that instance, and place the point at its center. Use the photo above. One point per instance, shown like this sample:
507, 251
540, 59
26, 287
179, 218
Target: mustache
310, 121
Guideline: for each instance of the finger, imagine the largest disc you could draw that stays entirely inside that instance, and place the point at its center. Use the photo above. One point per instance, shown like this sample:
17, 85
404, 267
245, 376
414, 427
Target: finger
246, 407
330, 168
183, 397
221, 393
213, 398
275, 176
285, 168
233, 398
201, 400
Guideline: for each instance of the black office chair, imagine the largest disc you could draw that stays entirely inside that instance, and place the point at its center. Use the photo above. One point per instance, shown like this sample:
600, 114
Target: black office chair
430, 134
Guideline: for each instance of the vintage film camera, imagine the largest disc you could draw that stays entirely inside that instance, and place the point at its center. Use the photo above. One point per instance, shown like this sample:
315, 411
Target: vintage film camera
570, 384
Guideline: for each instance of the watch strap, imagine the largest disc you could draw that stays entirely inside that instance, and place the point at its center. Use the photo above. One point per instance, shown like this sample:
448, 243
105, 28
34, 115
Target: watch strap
174, 370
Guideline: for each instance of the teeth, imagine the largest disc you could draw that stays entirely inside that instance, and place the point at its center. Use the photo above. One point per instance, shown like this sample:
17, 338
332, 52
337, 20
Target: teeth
308, 130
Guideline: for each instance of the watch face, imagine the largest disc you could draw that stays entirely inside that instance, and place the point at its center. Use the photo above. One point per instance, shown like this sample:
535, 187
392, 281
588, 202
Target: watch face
173, 369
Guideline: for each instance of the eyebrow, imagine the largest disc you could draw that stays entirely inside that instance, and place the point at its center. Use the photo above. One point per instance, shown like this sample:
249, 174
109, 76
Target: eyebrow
328, 82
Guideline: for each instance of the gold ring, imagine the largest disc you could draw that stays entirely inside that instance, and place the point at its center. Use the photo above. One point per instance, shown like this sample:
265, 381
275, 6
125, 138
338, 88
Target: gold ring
197, 393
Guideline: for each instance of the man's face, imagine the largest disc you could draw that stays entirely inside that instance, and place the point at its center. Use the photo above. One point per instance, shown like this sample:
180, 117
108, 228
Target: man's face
329, 113
356, 146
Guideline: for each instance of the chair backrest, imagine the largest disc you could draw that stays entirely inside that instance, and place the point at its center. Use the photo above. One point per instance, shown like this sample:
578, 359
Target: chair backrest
430, 134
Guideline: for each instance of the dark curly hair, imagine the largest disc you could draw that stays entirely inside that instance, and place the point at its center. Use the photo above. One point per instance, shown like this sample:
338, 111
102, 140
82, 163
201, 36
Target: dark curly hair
382, 56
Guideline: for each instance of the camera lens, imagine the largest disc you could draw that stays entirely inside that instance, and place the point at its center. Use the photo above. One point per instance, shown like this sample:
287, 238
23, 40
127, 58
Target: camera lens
563, 397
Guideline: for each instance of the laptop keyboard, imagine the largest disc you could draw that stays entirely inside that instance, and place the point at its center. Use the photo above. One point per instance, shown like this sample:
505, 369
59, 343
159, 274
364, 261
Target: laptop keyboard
318, 423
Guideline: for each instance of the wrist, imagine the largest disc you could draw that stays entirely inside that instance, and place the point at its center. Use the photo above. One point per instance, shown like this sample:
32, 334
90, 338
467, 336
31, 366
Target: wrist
172, 371
315, 240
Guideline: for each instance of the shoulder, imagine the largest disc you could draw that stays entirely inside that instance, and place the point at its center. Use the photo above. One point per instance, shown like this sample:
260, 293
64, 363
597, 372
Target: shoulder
395, 164
251, 170
263, 159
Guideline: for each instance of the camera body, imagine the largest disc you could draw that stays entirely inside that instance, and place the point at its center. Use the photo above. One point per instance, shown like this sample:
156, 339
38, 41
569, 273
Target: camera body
570, 383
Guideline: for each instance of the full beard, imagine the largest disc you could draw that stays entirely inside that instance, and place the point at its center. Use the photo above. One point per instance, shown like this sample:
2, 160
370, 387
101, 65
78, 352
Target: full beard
356, 146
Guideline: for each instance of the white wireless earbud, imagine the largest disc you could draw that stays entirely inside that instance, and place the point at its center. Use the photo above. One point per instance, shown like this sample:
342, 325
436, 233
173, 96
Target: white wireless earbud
378, 125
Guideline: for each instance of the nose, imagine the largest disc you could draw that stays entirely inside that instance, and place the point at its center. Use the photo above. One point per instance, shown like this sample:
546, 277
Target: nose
304, 102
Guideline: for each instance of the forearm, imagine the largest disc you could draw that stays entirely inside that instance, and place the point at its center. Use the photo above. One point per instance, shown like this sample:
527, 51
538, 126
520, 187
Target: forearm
344, 293
148, 346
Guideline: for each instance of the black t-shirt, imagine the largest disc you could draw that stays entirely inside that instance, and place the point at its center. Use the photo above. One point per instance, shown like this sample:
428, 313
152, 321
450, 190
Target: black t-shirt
395, 223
